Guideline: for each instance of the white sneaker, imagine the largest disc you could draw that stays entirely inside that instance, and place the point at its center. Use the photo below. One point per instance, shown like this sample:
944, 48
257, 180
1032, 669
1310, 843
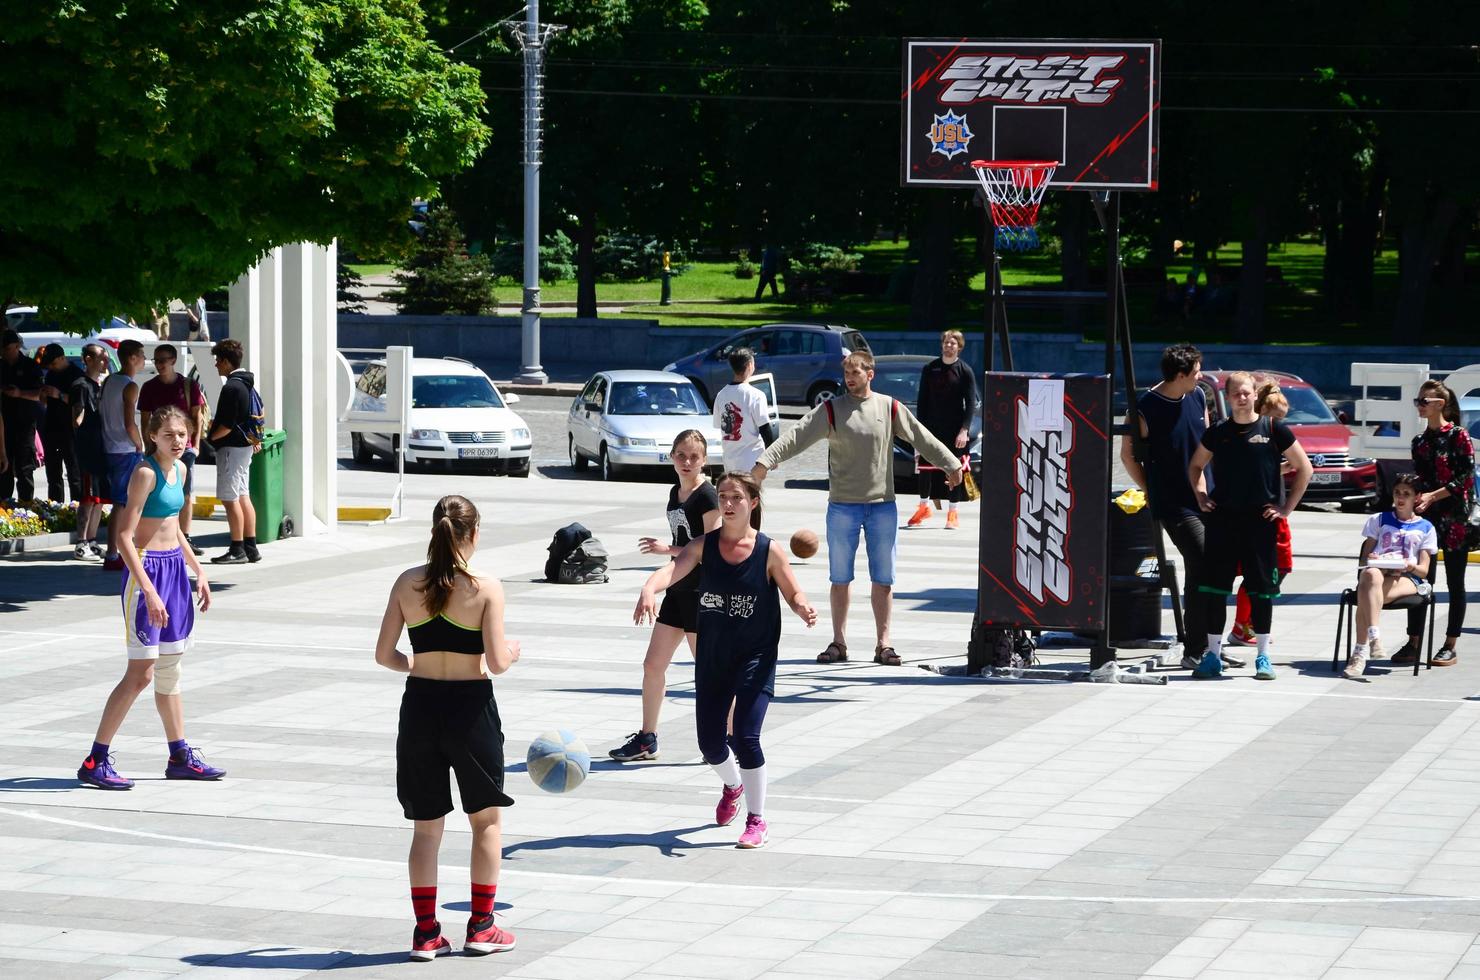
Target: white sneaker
1355, 666
83, 553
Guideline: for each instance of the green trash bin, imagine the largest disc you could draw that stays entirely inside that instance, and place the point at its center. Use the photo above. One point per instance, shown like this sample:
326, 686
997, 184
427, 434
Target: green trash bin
266, 485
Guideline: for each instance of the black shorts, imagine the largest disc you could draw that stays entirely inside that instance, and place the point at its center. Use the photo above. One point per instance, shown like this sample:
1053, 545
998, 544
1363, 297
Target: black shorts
1242, 542
680, 610
449, 725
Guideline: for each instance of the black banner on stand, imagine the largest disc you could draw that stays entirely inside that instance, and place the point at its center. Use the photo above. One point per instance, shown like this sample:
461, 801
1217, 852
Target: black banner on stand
1045, 467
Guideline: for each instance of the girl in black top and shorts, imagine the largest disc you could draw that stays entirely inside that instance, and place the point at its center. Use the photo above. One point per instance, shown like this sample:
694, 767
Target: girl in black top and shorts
449, 719
693, 511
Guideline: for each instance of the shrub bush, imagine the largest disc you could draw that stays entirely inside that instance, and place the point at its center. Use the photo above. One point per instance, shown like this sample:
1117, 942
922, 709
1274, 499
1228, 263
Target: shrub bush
440, 276
744, 268
557, 258
624, 257
816, 260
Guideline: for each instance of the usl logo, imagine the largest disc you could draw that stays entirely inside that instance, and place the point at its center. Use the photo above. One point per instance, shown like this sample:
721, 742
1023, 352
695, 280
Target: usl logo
949, 134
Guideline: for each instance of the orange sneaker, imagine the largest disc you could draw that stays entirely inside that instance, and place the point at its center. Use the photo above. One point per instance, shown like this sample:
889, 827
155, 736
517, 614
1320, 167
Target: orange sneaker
921, 512
953, 521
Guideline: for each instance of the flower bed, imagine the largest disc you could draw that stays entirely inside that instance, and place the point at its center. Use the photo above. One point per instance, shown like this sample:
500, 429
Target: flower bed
35, 517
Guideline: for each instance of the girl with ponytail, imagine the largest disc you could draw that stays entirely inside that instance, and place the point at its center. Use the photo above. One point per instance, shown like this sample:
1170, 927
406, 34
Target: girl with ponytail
449, 719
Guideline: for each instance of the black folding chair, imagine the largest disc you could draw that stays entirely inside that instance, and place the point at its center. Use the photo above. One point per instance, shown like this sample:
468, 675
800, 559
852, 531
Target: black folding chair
1346, 615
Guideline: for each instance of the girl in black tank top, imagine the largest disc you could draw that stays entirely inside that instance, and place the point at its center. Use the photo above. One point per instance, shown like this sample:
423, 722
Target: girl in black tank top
739, 630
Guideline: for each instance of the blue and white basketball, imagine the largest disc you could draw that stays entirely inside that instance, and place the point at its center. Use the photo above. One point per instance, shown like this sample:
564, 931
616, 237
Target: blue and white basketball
558, 761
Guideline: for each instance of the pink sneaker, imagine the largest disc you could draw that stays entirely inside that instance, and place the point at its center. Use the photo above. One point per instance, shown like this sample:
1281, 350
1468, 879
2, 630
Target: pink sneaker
484, 937
729, 805
427, 947
756, 833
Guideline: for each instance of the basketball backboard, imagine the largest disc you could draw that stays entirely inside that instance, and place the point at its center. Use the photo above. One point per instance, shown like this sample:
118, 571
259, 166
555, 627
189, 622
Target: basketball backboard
1090, 106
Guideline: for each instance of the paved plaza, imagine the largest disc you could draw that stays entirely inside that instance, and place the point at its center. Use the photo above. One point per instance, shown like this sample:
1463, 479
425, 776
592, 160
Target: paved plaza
921, 826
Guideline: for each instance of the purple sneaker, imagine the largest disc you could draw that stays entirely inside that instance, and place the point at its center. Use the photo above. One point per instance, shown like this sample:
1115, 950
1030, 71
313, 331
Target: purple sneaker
192, 766
729, 805
101, 774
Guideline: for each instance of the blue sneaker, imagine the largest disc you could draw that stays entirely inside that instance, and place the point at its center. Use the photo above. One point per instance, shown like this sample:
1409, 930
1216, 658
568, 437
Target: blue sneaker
1211, 666
190, 765
1263, 671
101, 774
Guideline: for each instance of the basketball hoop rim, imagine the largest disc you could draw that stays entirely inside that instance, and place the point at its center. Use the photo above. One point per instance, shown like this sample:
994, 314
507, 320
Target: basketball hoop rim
1014, 164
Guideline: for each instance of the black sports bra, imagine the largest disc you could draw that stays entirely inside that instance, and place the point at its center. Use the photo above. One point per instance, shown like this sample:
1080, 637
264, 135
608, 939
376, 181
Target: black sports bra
441, 633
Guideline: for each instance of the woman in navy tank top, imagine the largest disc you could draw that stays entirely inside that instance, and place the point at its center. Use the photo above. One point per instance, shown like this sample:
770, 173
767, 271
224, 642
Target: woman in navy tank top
739, 627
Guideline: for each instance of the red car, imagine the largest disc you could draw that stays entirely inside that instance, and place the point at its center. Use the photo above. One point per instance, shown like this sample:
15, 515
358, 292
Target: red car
1339, 477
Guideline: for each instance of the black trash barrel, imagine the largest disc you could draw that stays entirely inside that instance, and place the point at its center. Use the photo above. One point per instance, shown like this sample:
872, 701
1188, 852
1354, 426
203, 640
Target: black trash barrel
1135, 578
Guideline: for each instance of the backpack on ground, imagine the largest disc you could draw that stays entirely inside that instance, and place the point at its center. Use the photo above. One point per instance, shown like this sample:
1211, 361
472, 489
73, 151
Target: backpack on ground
566, 540
586, 565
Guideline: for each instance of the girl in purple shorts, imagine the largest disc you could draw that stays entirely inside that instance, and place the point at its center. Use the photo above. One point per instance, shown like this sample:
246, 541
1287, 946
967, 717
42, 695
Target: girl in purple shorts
158, 614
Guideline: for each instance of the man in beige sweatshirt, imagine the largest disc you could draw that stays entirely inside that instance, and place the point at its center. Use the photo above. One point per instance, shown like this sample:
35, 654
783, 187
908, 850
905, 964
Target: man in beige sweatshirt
860, 428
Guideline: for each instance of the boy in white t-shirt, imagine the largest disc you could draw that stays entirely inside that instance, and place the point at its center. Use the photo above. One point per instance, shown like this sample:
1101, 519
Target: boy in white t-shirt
1396, 553
742, 416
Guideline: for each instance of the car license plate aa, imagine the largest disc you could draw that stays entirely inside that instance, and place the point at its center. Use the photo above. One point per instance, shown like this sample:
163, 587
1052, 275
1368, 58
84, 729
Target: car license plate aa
662, 457
477, 452
1325, 478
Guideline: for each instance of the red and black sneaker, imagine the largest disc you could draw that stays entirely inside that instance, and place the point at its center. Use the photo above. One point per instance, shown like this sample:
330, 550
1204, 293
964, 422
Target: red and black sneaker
484, 937
427, 946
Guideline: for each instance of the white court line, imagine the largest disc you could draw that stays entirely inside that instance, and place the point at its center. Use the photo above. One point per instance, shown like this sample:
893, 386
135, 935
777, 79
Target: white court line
792, 889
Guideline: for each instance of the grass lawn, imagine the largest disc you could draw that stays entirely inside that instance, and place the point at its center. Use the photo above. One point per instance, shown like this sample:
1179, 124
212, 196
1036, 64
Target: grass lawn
371, 269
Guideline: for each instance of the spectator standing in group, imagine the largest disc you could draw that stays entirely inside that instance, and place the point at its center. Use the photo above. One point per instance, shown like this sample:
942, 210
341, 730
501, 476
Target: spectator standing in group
170, 387
123, 440
742, 416
1171, 418
860, 427
234, 453
1271, 402
199, 327
1243, 511
945, 406
1444, 459
20, 395
770, 268
161, 322
62, 470
85, 401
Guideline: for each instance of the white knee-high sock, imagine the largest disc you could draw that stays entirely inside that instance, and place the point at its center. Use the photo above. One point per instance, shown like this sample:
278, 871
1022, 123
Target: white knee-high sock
729, 770
1263, 641
755, 789
1215, 643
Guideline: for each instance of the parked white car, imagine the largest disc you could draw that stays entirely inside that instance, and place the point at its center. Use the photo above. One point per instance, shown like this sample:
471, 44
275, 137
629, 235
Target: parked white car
630, 418
457, 416
35, 334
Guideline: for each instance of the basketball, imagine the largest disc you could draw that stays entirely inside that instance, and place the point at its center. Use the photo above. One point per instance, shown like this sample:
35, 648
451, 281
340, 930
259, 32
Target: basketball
558, 761
804, 543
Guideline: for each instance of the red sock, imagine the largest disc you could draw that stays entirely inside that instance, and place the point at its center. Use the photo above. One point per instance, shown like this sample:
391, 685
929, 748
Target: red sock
1244, 611
483, 900
424, 904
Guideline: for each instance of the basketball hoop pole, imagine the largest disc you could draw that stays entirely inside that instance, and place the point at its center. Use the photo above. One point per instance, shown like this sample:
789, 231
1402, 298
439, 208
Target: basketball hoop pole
994, 319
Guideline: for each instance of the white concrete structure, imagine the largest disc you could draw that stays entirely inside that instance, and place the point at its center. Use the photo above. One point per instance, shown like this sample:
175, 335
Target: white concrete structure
284, 313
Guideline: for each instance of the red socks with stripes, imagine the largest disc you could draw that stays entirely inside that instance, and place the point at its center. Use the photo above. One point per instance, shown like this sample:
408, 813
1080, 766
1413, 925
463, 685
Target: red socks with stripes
483, 900
424, 904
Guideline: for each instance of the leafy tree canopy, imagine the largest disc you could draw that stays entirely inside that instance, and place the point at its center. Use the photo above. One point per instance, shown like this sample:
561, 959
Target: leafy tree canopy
158, 148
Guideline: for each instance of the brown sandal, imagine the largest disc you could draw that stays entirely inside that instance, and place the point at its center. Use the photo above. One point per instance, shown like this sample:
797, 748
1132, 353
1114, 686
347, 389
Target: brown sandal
835, 653
886, 656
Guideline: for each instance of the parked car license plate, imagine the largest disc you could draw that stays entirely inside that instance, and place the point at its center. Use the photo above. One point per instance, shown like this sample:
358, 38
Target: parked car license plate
1325, 478
478, 452
662, 457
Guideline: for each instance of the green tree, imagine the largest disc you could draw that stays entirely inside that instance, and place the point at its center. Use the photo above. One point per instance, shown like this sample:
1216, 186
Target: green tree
440, 276
159, 148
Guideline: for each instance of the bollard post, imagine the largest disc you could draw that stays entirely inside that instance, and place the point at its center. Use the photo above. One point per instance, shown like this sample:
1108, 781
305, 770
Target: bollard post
667, 296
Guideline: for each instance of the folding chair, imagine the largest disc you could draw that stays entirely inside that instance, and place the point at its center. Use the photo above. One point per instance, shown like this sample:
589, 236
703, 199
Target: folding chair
1346, 614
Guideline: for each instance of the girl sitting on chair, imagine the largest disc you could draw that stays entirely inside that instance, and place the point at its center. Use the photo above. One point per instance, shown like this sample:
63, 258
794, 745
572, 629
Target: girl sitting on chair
1395, 557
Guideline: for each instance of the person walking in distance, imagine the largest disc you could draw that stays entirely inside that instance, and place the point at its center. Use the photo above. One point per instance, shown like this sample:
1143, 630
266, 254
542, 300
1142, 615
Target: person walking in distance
1398, 549
693, 511
199, 328
123, 442
62, 471
740, 574
1243, 513
1444, 459
742, 416
85, 400
770, 267
159, 619
20, 396
170, 387
449, 721
946, 405
860, 427
234, 454
1171, 418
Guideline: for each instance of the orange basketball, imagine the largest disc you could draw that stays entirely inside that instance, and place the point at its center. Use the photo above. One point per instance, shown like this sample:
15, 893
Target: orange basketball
804, 543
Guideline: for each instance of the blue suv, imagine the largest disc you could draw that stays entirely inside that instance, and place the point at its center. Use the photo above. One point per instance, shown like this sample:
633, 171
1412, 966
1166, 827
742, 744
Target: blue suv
806, 360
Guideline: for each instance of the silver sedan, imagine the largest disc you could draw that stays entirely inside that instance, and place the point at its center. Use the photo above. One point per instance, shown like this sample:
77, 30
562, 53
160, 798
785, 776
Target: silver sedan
627, 419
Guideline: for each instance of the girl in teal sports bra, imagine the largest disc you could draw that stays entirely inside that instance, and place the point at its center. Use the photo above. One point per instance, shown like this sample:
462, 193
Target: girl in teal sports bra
449, 720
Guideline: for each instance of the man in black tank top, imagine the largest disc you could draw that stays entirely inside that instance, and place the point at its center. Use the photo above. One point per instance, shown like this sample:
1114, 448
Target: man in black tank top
1172, 417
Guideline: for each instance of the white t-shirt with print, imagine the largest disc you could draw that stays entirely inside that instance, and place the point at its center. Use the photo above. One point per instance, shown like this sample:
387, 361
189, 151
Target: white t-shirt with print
1400, 539
740, 411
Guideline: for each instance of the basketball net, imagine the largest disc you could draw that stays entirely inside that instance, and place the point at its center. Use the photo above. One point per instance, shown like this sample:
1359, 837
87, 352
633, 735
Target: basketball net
1014, 190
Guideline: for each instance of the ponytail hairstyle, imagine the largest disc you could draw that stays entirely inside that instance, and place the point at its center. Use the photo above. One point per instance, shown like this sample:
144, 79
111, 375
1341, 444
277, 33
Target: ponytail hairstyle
1437, 389
752, 490
696, 436
454, 522
1268, 398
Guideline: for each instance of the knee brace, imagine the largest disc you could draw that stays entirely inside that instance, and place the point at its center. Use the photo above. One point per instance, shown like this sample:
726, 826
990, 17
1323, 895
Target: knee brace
167, 674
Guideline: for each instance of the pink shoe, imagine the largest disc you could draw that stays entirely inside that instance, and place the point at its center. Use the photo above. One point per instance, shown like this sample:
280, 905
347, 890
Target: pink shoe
756, 833
484, 937
425, 948
729, 805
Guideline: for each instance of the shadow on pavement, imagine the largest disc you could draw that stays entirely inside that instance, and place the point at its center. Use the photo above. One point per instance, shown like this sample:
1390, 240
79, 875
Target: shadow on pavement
285, 958
667, 842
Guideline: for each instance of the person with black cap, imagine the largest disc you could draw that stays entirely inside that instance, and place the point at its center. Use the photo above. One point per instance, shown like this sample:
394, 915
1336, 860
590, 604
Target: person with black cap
20, 394
56, 425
